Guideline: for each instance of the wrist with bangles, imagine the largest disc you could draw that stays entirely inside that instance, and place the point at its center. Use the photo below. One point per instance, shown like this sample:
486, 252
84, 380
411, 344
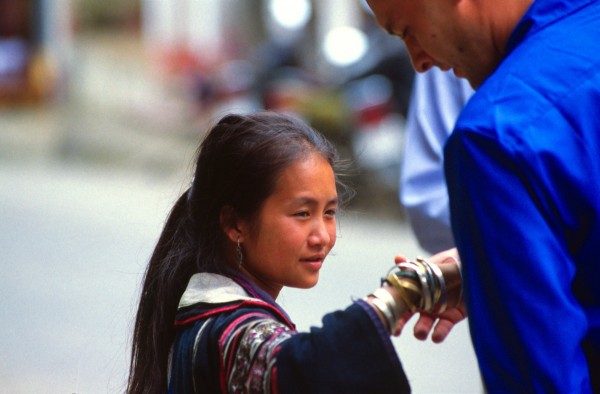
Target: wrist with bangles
421, 287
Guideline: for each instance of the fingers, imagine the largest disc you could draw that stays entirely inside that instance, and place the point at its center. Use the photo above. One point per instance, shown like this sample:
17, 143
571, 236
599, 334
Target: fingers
439, 326
401, 323
446, 323
439, 258
423, 326
441, 330
400, 259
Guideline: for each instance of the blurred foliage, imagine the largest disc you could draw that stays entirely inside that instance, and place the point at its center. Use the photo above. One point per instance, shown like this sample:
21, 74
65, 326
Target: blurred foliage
107, 14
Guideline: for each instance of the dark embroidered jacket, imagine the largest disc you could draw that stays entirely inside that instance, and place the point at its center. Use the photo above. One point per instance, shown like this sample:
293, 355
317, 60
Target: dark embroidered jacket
232, 337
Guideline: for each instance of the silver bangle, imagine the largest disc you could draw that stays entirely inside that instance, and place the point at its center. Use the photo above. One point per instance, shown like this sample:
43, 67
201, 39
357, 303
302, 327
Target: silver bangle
386, 297
442, 303
421, 271
385, 310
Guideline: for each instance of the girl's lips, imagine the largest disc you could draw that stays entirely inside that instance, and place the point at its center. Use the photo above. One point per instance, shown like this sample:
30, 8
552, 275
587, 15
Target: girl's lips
313, 259
315, 262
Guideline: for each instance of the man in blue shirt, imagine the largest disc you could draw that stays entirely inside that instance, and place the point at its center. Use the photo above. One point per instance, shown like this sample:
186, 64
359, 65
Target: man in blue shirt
523, 172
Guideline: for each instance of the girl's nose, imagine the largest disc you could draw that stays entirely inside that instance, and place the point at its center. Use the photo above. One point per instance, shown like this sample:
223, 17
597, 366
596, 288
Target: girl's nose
320, 234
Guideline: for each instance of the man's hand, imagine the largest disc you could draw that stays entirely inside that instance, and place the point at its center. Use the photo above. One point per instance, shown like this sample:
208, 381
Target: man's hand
441, 324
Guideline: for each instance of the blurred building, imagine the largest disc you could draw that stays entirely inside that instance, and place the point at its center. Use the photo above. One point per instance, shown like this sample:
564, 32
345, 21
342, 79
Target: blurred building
209, 31
326, 61
158, 62
330, 41
295, 55
35, 39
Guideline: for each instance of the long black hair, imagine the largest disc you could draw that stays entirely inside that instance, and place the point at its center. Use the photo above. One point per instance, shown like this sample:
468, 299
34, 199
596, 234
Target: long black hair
237, 165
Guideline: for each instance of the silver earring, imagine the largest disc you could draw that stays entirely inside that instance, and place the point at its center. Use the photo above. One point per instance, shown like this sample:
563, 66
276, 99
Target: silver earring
240, 255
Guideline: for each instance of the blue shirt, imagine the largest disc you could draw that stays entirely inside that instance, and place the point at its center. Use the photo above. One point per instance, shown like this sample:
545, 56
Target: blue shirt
523, 172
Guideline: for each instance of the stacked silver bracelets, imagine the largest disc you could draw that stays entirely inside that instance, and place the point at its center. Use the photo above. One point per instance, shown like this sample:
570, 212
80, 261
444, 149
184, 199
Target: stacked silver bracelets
420, 284
430, 296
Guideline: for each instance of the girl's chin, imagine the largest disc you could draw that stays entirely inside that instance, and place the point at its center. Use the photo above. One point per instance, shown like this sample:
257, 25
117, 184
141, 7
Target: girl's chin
308, 282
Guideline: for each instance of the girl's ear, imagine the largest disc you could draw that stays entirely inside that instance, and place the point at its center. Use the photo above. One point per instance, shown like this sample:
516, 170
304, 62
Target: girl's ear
231, 224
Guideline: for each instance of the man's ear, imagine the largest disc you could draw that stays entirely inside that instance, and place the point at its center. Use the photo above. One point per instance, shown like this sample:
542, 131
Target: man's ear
231, 224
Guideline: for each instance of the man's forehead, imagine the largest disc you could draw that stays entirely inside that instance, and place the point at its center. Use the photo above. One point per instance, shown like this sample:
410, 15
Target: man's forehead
383, 10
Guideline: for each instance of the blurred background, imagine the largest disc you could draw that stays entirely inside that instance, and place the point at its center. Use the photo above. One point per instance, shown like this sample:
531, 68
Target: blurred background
102, 105
159, 68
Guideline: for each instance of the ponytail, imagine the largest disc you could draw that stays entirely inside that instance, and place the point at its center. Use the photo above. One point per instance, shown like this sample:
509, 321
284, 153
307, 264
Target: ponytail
166, 277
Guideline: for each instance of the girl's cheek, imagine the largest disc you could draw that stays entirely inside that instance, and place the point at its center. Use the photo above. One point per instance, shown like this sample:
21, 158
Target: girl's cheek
333, 239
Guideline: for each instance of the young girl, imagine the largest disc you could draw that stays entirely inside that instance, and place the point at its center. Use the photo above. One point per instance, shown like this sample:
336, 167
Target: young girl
260, 215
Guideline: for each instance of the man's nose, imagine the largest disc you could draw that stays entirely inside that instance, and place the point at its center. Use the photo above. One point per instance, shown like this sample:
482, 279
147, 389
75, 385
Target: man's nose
421, 61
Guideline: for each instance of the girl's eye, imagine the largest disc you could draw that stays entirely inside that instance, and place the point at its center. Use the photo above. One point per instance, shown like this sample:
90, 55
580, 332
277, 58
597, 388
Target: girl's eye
331, 212
303, 214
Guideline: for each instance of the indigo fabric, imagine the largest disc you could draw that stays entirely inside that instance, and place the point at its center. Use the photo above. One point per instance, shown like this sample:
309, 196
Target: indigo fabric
232, 337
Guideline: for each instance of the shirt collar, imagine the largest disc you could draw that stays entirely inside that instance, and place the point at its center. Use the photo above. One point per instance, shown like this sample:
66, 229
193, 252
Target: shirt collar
211, 288
541, 14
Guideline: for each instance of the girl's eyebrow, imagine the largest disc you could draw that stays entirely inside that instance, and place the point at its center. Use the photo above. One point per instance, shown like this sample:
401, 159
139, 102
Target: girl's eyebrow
312, 201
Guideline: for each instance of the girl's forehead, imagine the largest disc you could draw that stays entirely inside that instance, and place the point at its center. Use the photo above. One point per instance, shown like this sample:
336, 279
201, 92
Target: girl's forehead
311, 175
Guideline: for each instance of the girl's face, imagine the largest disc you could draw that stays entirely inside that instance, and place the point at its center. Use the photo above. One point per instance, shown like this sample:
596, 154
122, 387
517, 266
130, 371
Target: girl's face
295, 229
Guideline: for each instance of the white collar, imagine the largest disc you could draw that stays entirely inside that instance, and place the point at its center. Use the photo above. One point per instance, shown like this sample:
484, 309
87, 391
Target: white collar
213, 289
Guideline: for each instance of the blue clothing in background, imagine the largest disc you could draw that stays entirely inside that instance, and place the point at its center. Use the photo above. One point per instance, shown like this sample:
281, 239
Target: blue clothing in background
437, 99
523, 171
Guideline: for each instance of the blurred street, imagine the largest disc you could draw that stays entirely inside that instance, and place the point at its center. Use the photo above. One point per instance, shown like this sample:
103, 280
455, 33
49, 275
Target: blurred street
84, 188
